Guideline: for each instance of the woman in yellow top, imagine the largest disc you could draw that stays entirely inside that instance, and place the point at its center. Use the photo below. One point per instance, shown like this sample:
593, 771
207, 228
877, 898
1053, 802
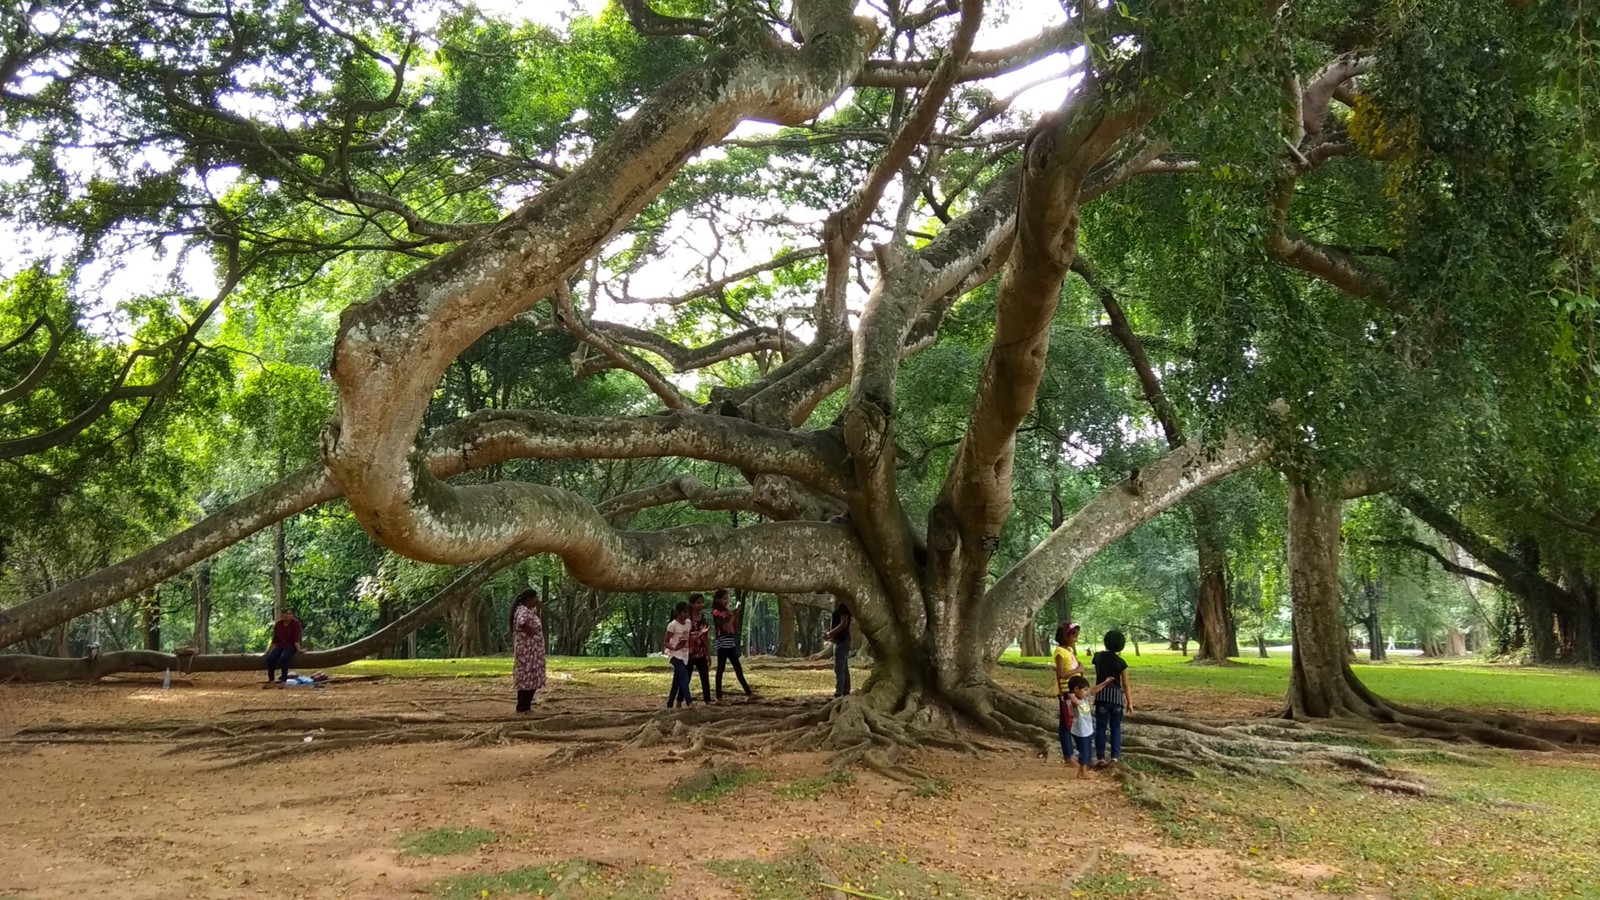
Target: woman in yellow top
1066, 662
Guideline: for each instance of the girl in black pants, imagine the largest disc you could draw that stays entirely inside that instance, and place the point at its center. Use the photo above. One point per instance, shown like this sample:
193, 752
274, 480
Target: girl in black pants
728, 640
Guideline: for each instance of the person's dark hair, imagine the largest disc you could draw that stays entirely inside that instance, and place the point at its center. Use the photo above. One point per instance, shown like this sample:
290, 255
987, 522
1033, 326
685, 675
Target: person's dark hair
1077, 681
680, 608
1063, 631
720, 594
1115, 641
523, 599
719, 600
697, 598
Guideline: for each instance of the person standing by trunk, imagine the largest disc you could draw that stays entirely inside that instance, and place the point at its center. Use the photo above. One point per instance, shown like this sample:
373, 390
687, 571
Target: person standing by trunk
527, 644
1111, 698
840, 635
1067, 665
286, 633
727, 622
699, 646
677, 649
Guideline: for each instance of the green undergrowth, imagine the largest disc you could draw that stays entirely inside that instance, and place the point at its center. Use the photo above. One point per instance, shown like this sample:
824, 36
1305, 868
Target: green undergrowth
814, 788
1502, 825
1112, 876
1466, 684
445, 841
572, 880
714, 782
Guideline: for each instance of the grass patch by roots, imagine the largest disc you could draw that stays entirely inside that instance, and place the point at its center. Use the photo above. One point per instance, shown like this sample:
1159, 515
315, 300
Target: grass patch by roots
713, 782
813, 788
575, 879
445, 841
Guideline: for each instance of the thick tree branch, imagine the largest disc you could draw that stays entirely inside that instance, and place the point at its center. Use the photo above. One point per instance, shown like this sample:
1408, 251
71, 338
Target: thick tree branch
484, 439
681, 489
569, 318
1017, 595
1514, 575
756, 339
1445, 562
711, 288
391, 352
840, 231
976, 497
1120, 329
894, 73
1325, 85
40, 368
645, 20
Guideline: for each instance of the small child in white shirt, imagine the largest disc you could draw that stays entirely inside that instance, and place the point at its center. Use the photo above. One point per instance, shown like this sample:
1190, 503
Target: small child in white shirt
1081, 697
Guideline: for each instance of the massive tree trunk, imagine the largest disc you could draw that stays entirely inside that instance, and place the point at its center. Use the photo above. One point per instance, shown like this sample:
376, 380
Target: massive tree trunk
46, 668
1321, 682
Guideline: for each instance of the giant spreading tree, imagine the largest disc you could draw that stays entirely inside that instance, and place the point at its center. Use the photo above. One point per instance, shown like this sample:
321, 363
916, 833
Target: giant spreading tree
1335, 237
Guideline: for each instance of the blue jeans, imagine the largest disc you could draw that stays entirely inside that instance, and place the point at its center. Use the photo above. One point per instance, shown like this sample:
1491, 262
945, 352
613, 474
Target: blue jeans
1066, 742
1083, 741
680, 683
279, 656
1108, 718
841, 668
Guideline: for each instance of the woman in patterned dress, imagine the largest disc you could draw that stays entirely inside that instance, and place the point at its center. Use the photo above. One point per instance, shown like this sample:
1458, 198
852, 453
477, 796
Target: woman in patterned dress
527, 667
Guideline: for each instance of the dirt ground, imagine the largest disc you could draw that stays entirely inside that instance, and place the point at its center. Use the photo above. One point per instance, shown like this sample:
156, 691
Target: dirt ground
129, 819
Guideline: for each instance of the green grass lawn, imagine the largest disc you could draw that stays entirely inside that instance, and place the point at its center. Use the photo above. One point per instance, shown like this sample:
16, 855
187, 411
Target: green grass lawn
1467, 685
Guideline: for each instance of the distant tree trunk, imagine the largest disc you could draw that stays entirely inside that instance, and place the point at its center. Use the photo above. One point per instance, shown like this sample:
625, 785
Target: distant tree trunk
63, 645
1029, 641
1062, 598
280, 559
150, 617
1261, 643
464, 634
809, 628
1213, 619
1455, 642
787, 647
202, 608
1373, 589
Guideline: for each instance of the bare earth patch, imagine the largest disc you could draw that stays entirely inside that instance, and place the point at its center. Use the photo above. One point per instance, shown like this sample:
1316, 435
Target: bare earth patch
129, 819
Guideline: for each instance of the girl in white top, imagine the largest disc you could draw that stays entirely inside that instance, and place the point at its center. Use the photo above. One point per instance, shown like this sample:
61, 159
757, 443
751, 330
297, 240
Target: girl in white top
677, 649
